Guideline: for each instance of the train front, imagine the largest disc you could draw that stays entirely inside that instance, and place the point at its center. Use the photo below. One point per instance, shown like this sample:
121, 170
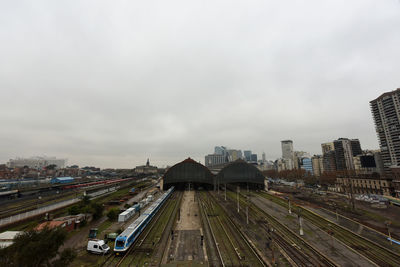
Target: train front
120, 246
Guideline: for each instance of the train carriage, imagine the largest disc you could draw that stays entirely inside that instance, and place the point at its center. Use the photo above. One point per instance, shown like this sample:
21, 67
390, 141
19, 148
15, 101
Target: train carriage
130, 234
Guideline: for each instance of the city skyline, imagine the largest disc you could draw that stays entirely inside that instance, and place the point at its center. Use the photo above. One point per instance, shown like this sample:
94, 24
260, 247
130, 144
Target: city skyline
110, 85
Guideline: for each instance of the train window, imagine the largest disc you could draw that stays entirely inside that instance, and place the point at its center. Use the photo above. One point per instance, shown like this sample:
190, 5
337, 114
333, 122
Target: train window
120, 243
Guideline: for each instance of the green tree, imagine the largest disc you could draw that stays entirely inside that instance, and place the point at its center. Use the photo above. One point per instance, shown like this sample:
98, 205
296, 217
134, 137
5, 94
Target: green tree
74, 210
112, 214
37, 249
86, 200
51, 167
97, 210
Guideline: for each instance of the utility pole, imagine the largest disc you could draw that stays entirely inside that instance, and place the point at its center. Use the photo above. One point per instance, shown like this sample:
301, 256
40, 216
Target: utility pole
218, 185
289, 208
330, 232
300, 223
390, 236
352, 195
247, 210
271, 242
238, 199
337, 215
225, 191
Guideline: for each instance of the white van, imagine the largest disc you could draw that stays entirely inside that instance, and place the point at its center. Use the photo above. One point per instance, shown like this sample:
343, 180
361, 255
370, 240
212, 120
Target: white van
98, 246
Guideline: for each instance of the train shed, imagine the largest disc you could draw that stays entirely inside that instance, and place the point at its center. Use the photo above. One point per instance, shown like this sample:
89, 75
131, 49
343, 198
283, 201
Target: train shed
241, 173
188, 171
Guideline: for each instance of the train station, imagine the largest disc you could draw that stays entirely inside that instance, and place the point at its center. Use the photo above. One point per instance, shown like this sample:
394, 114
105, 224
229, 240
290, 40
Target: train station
197, 175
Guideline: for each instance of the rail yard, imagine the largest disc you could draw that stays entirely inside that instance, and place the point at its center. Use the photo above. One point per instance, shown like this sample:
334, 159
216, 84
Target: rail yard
216, 223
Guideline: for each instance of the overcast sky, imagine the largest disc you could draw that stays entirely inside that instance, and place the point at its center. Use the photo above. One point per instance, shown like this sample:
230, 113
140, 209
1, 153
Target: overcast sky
111, 83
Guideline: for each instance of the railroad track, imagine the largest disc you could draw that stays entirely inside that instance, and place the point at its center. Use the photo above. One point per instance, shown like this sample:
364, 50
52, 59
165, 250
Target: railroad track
373, 251
233, 247
30, 204
214, 253
296, 248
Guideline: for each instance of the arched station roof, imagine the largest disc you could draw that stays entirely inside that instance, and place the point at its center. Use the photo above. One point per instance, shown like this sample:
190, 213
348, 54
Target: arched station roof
240, 171
188, 171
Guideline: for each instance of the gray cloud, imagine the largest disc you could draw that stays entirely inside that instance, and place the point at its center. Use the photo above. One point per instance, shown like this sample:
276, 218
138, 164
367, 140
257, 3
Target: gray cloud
111, 84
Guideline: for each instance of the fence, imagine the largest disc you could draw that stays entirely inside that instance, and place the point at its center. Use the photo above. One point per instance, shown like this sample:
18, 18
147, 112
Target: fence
33, 213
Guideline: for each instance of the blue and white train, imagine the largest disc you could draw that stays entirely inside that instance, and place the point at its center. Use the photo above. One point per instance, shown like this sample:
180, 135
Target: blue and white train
128, 237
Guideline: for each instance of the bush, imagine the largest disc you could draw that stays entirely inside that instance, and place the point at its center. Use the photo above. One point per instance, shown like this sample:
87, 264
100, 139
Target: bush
74, 210
97, 210
112, 214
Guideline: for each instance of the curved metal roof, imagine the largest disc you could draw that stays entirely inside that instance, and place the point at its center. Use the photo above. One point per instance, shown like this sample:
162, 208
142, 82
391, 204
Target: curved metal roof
188, 171
240, 171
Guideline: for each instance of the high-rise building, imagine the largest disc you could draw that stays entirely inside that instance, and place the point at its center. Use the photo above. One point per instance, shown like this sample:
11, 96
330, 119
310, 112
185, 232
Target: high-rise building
317, 165
339, 154
287, 149
222, 155
345, 150
306, 164
215, 159
253, 158
264, 158
378, 161
329, 161
298, 157
247, 155
220, 150
365, 163
234, 154
326, 147
386, 113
